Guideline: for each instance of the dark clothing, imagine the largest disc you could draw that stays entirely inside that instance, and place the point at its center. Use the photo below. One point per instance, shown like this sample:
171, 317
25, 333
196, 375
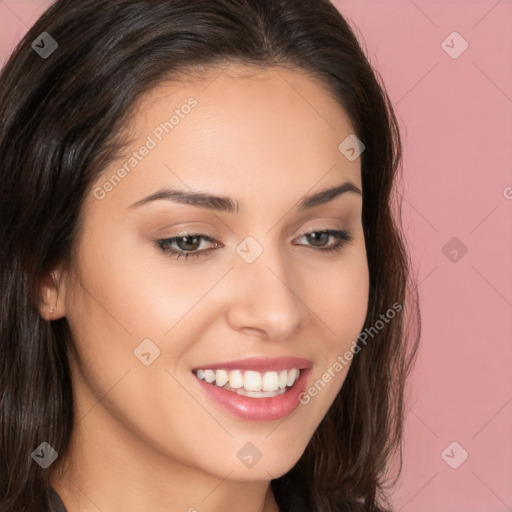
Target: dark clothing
56, 502
297, 502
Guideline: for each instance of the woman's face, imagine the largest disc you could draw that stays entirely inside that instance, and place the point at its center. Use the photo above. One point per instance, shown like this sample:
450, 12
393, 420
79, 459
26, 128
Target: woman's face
256, 284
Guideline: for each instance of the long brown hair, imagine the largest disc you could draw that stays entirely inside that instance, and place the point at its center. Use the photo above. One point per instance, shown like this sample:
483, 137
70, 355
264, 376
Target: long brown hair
61, 120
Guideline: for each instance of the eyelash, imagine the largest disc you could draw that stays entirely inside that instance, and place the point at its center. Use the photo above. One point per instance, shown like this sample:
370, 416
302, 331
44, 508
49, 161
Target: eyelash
343, 239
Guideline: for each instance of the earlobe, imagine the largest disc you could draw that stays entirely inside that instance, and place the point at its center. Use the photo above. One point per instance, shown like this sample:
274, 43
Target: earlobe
52, 304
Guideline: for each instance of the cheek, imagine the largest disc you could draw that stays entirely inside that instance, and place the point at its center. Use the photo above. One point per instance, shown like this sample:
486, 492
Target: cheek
351, 299
110, 313
124, 289
106, 308
342, 309
343, 303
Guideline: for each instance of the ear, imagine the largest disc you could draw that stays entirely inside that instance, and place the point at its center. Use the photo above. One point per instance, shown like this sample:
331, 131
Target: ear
52, 293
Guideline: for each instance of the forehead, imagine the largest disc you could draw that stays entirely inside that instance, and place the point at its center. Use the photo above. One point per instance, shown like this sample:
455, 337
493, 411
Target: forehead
239, 129
269, 98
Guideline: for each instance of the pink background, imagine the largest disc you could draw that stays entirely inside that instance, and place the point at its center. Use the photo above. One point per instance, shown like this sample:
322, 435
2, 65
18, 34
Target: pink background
456, 119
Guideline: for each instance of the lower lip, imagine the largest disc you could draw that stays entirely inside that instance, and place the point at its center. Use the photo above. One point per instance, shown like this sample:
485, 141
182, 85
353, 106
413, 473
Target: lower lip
257, 409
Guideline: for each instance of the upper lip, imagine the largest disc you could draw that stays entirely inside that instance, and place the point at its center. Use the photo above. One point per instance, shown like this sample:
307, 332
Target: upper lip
259, 364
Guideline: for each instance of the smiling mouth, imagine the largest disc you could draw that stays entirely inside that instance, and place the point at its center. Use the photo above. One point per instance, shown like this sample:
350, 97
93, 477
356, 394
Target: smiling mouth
251, 383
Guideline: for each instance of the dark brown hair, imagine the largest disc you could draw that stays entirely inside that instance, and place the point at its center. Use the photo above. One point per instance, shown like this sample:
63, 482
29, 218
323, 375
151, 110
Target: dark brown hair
61, 120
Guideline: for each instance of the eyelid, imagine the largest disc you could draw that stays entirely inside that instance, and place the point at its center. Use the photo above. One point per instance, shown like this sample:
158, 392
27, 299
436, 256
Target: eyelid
342, 238
200, 231
189, 233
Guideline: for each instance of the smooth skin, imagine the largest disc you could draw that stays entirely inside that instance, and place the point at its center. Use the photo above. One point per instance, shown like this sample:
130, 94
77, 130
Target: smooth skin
147, 438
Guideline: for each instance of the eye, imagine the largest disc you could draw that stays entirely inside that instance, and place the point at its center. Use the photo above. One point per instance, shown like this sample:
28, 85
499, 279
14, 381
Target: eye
187, 244
341, 237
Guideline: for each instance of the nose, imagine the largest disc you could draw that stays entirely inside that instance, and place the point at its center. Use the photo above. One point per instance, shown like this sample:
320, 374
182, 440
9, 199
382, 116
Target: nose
265, 297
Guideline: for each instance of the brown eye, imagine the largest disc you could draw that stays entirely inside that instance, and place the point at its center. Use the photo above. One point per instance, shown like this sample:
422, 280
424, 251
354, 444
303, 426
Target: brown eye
186, 245
318, 239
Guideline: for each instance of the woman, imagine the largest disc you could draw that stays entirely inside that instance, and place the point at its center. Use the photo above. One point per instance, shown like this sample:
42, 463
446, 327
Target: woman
203, 285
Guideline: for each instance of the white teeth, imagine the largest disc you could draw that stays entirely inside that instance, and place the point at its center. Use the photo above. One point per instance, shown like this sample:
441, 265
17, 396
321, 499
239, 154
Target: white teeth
283, 378
251, 383
209, 376
259, 394
221, 378
236, 379
270, 381
292, 376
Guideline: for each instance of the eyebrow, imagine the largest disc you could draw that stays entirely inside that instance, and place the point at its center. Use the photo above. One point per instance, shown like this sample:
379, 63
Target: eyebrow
226, 204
